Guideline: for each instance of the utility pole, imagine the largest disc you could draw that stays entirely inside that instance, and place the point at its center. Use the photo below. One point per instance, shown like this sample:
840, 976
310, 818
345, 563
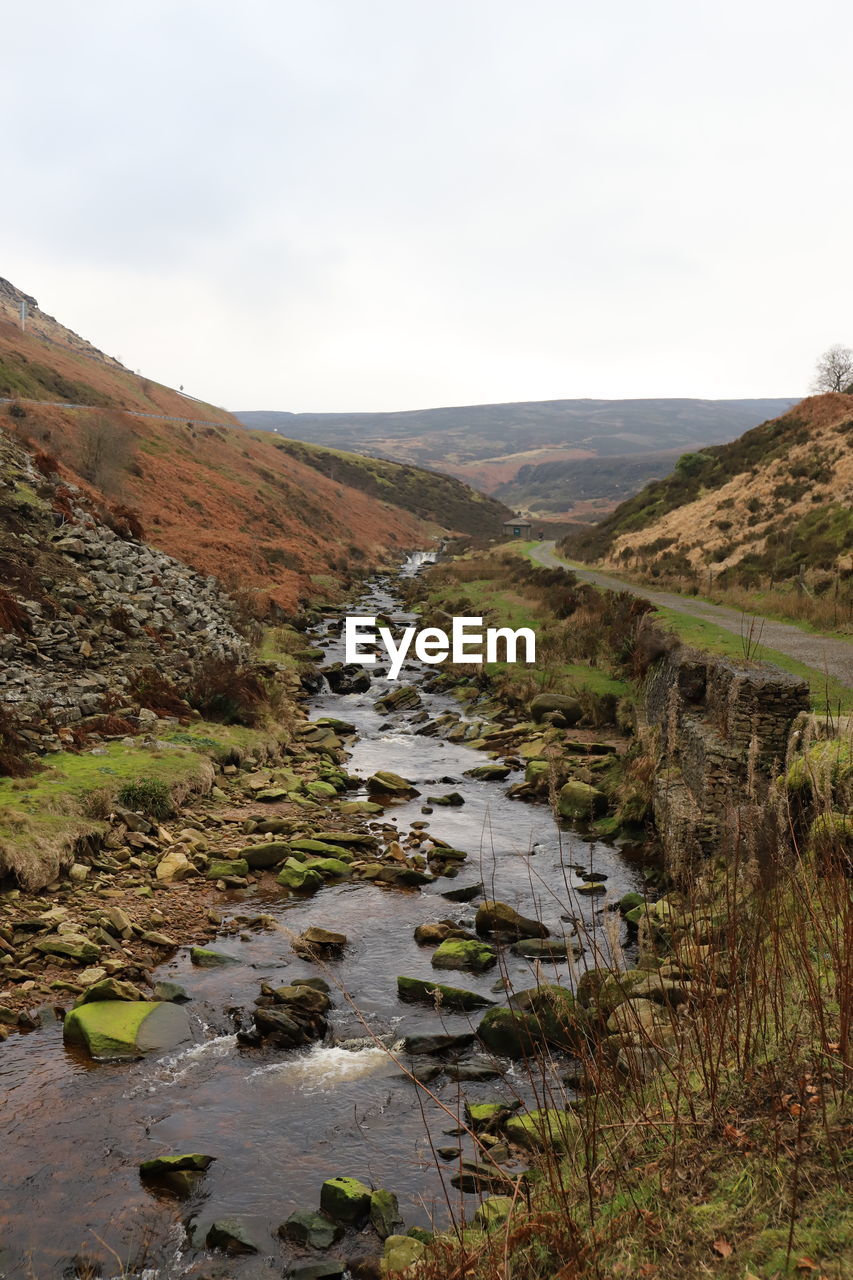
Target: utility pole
23, 315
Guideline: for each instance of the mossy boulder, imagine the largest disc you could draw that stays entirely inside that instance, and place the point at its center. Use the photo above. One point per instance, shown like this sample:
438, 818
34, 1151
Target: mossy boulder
71, 946
508, 1032
503, 920
580, 800
556, 1014
401, 1252
489, 772
493, 1212
435, 993
345, 1200
307, 1227
179, 1174
462, 953
320, 790
548, 1129
209, 958
231, 1235
386, 783
384, 1213
126, 1029
297, 876
258, 857
548, 703
329, 868
824, 771
111, 989
221, 868
314, 845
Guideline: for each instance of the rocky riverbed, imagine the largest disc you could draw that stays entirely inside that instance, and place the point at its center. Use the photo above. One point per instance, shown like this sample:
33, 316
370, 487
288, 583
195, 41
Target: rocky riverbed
325, 922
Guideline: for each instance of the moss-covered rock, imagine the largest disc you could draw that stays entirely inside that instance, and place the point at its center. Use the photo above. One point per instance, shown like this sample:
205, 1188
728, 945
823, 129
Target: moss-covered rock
260, 856
126, 1029
493, 1212
580, 800
384, 1213
401, 1252
384, 782
462, 953
71, 946
221, 868
209, 958
329, 868
297, 876
503, 920
345, 1199
548, 1129
547, 703
508, 1032
111, 989
435, 993
307, 1227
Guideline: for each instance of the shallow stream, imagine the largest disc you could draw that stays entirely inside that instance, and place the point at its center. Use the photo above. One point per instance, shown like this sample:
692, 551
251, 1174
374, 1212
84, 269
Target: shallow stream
74, 1132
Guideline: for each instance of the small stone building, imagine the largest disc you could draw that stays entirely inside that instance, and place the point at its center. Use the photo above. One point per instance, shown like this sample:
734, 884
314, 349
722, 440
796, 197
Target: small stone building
518, 527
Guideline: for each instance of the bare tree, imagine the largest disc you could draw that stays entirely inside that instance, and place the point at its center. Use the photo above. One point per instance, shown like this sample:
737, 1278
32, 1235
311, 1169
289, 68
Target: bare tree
834, 370
105, 451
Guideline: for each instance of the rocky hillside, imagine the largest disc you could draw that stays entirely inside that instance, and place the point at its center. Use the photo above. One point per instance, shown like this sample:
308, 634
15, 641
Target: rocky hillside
205, 491
773, 503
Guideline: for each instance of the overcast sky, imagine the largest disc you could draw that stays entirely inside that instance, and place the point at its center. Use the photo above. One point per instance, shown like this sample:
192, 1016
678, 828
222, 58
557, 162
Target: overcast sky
387, 204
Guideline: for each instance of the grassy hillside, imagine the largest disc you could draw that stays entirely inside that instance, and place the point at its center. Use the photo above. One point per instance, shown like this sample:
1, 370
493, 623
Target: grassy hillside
770, 505
584, 488
426, 494
279, 525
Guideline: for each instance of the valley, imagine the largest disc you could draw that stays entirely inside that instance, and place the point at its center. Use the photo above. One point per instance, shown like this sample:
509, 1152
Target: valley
339, 969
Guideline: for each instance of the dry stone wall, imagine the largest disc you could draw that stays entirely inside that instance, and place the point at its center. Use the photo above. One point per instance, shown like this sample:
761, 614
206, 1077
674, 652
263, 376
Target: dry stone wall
722, 729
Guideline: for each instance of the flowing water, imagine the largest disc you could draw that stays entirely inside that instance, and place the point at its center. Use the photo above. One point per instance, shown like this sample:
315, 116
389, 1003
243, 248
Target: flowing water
279, 1123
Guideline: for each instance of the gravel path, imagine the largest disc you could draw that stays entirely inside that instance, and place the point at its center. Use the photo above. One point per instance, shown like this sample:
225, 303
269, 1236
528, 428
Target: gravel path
835, 657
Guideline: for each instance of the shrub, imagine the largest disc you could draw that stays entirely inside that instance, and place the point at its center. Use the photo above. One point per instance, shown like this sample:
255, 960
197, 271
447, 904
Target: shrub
150, 796
229, 691
14, 760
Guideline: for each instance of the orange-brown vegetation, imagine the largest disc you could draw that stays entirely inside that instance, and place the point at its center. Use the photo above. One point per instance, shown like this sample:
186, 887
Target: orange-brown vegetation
210, 493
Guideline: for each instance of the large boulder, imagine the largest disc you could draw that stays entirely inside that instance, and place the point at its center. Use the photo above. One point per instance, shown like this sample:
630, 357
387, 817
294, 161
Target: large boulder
542, 1130
71, 946
580, 800
401, 1253
298, 877
435, 993
386, 783
178, 1174
307, 1227
547, 1014
223, 868
345, 1200
174, 866
548, 703
126, 1029
503, 920
260, 856
460, 953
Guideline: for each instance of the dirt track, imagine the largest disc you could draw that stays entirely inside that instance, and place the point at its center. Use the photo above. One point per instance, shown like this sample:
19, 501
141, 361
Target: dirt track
835, 657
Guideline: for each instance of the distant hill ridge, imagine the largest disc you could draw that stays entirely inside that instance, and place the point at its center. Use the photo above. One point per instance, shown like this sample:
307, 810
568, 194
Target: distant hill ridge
487, 445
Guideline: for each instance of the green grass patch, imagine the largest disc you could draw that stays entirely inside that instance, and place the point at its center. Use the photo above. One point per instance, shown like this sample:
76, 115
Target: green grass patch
41, 817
